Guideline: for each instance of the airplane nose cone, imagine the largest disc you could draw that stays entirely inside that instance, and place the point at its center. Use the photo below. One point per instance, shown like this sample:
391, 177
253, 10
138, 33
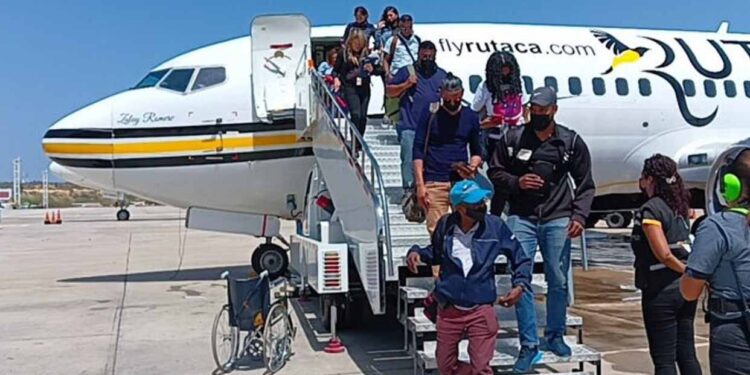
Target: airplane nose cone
80, 146
85, 125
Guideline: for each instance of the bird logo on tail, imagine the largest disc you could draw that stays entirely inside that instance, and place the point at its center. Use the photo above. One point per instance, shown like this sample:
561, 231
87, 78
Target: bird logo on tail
623, 53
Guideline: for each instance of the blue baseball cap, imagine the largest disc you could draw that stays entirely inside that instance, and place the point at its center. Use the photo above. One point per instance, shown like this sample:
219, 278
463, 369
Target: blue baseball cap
468, 192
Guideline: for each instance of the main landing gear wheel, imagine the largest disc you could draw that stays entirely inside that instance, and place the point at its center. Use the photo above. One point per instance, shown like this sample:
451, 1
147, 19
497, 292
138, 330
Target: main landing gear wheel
618, 219
123, 215
272, 258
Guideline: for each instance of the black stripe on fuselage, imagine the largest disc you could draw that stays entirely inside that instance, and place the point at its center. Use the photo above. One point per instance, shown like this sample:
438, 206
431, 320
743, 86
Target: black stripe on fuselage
182, 161
172, 131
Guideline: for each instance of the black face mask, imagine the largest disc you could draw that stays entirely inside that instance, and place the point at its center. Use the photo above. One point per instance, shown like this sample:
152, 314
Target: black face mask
540, 122
452, 106
428, 67
477, 213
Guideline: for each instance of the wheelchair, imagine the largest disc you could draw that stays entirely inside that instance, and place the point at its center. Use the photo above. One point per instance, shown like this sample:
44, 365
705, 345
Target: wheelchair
259, 307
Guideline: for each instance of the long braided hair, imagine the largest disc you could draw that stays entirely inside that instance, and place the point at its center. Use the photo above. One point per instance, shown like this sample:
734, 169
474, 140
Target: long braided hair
499, 86
668, 183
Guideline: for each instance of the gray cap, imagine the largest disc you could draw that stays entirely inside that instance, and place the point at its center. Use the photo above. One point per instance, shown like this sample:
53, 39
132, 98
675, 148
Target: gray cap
544, 96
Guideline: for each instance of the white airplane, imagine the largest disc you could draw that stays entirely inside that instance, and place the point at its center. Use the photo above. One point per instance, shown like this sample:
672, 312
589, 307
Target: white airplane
202, 130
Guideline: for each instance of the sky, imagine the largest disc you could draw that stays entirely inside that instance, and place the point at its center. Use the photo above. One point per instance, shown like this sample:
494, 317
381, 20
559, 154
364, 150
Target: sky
57, 56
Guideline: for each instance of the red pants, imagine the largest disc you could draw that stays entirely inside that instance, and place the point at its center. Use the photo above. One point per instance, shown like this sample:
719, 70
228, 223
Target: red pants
480, 325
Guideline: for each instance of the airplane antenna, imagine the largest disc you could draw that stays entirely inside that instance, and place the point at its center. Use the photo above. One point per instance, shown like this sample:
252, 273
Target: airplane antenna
723, 27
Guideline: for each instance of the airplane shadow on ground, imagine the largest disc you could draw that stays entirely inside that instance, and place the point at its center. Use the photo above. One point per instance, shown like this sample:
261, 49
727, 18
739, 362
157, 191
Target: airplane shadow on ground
374, 345
192, 274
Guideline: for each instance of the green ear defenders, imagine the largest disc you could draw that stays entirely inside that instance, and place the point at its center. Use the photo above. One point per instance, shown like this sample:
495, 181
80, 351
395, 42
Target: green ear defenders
730, 185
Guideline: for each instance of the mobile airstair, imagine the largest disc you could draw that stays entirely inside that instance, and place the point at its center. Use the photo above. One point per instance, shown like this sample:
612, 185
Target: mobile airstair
350, 247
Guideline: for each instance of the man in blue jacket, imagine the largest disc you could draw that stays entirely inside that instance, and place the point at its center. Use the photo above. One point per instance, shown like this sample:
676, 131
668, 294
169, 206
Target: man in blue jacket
465, 245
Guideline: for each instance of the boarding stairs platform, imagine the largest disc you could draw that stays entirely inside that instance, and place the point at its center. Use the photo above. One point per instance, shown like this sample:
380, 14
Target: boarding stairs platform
363, 178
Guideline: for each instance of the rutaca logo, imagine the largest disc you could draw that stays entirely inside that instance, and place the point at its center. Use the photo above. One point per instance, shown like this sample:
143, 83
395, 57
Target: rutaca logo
624, 54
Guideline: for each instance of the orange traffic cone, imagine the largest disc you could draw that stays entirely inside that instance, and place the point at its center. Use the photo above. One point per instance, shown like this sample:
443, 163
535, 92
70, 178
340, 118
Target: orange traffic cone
59, 217
46, 218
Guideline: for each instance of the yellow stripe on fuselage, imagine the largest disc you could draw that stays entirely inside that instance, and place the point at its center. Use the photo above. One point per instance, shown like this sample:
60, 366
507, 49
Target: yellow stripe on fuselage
156, 147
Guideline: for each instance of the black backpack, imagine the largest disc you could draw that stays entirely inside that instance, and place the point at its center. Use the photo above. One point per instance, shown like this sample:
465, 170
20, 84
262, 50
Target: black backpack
568, 136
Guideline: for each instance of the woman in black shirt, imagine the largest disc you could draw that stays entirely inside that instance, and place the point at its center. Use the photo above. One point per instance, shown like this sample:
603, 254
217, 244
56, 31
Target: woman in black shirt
659, 241
353, 69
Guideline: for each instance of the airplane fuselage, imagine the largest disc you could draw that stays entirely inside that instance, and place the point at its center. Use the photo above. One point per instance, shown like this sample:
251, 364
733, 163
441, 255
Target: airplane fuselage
191, 137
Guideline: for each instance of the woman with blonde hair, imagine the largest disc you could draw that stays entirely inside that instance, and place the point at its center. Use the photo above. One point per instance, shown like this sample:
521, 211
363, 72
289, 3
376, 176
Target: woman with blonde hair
353, 68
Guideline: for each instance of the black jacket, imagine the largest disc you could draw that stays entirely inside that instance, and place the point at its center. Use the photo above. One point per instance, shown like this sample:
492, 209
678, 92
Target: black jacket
563, 161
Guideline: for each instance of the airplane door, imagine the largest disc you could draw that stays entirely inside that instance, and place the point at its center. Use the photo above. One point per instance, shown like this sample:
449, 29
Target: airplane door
280, 50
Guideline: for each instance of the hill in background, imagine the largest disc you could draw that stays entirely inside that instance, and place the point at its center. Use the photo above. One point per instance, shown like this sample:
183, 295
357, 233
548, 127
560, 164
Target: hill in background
63, 194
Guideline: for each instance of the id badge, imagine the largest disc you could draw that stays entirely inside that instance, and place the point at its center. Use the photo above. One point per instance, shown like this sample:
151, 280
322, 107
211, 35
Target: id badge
359, 81
524, 154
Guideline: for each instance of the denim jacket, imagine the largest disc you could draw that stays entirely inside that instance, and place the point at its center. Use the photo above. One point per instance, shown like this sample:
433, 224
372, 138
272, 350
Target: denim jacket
491, 239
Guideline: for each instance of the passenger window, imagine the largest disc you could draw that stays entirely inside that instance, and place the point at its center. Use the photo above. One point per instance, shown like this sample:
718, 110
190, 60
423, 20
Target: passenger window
622, 86
528, 84
599, 88
208, 77
474, 81
710, 87
177, 80
151, 79
644, 86
574, 84
689, 88
747, 89
730, 89
551, 82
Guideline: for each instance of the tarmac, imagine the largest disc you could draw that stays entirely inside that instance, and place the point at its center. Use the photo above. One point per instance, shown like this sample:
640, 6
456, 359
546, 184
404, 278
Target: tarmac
97, 296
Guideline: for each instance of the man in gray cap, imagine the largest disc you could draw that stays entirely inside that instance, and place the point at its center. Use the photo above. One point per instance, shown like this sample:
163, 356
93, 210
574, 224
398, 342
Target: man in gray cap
544, 170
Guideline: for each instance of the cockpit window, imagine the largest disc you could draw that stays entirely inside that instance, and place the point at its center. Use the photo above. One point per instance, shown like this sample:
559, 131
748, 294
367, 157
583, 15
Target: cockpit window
209, 77
177, 80
151, 79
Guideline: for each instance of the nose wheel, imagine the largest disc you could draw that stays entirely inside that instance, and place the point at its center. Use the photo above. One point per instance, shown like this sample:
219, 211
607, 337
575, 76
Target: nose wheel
272, 258
123, 215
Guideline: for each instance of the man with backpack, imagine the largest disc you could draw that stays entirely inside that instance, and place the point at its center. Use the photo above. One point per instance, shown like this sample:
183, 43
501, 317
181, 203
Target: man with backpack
416, 86
401, 49
545, 171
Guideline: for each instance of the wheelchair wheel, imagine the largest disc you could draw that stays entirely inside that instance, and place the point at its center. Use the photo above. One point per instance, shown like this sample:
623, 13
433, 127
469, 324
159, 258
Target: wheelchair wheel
224, 340
277, 338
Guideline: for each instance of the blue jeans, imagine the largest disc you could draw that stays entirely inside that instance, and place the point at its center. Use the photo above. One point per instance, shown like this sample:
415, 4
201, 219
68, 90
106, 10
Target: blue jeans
406, 138
552, 238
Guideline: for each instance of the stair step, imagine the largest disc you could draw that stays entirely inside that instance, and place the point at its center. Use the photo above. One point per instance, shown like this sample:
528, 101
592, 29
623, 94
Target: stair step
507, 318
416, 231
506, 351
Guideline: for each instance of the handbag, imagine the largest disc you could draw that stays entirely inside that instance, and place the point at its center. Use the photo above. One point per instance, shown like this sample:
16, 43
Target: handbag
413, 211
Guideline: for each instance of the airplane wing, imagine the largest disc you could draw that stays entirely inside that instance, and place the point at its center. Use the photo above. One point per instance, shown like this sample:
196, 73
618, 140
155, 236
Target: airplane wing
610, 42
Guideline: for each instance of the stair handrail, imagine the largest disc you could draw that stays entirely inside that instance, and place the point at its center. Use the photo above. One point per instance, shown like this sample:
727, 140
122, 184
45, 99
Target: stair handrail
338, 116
